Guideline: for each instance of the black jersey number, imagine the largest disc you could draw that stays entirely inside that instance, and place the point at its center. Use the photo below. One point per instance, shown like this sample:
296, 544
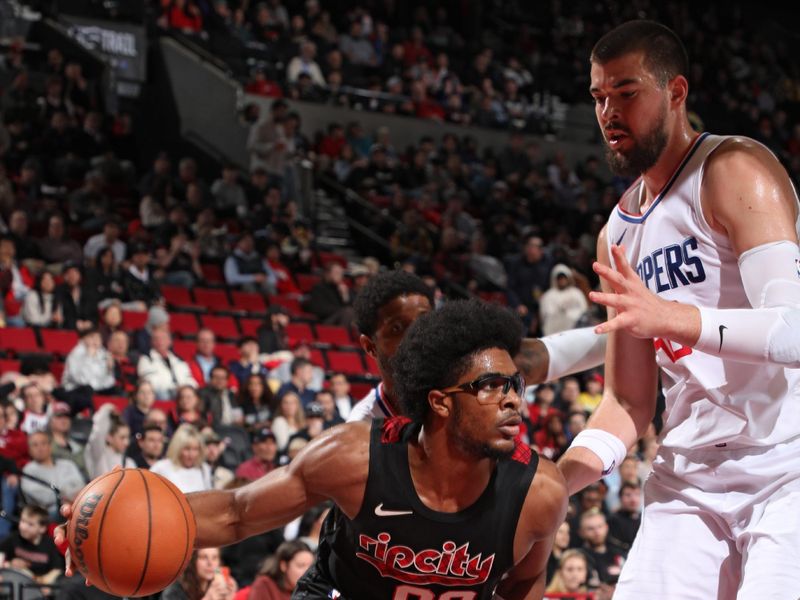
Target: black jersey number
410, 592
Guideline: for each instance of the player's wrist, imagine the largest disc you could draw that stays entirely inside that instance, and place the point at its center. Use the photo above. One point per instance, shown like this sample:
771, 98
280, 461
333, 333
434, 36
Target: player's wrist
682, 323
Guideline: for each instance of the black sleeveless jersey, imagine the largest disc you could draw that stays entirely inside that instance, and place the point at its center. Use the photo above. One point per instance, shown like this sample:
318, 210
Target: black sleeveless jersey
398, 549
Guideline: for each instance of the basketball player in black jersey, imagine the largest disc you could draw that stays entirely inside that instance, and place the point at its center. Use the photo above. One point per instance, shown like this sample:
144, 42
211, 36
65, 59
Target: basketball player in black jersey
443, 505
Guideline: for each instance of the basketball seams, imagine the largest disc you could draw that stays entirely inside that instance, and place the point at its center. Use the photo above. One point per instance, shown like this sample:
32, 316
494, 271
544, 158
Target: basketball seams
149, 533
186, 522
100, 530
76, 505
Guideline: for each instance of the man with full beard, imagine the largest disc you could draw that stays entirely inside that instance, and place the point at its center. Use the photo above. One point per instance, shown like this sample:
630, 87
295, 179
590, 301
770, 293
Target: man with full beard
700, 269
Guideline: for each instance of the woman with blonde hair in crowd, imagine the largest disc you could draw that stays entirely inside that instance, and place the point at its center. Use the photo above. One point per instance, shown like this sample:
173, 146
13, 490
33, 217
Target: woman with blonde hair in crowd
185, 464
203, 579
279, 575
571, 575
289, 419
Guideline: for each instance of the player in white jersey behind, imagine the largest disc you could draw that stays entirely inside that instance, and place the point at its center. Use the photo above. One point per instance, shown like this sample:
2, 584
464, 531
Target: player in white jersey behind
700, 269
391, 301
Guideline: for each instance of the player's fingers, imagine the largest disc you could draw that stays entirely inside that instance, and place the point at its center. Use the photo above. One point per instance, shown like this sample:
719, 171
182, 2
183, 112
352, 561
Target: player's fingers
66, 510
60, 534
621, 261
615, 279
615, 324
614, 301
68, 571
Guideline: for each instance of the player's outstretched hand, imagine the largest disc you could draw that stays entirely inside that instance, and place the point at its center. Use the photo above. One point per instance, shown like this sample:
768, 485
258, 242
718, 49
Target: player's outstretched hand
639, 311
60, 535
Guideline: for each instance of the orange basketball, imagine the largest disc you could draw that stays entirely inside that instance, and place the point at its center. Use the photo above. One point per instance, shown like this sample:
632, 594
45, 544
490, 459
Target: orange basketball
131, 532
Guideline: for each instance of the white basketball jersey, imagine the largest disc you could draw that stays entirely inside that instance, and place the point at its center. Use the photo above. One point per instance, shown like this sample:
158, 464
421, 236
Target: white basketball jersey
709, 401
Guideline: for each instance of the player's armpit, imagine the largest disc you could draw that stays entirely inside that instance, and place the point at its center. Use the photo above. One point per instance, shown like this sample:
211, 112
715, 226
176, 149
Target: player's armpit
542, 514
333, 466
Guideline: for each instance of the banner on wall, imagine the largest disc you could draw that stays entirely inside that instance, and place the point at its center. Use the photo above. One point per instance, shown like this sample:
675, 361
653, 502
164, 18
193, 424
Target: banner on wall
124, 45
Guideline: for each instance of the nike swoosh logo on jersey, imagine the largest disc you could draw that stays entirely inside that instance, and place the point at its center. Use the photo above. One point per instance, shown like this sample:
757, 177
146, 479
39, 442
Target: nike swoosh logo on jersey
721, 329
381, 512
619, 241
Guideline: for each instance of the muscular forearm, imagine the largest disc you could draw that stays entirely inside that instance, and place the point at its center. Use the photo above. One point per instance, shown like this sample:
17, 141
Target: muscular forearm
523, 590
215, 517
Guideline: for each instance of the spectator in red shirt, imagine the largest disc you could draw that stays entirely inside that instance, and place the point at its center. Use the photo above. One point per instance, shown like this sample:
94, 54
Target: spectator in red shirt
414, 49
332, 144
265, 453
15, 282
285, 284
184, 15
13, 442
260, 85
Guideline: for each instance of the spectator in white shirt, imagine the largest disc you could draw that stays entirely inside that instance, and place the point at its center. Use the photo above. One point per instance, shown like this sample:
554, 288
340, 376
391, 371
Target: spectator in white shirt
162, 369
108, 443
89, 363
34, 416
305, 63
108, 239
185, 464
61, 473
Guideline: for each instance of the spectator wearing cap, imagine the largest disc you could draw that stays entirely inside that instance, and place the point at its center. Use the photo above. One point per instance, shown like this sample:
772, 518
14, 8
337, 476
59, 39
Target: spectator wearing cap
165, 371
324, 399
77, 301
215, 446
563, 304
590, 399
249, 362
246, 269
64, 446
90, 364
315, 423
108, 238
218, 399
138, 281
302, 374
272, 334
265, 454
184, 464
17, 282
108, 442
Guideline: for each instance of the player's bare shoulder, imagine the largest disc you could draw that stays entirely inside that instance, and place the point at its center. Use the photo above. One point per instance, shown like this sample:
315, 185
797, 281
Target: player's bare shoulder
336, 464
743, 182
546, 504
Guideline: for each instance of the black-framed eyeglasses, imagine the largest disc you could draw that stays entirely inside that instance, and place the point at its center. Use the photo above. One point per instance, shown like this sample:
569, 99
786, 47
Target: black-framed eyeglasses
487, 387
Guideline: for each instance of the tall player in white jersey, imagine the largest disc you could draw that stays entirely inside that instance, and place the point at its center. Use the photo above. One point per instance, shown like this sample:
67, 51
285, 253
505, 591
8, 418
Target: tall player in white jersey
391, 301
701, 276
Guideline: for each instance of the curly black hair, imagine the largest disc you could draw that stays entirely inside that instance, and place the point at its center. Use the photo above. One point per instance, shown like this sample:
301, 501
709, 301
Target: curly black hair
439, 347
382, 289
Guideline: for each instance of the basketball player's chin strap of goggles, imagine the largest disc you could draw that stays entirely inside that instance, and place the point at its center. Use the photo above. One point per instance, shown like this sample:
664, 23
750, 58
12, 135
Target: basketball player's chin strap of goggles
770, 331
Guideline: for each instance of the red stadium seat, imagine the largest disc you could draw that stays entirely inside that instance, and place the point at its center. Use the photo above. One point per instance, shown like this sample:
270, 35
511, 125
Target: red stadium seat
212, 299
133, 320
325, 258
250, 302
318, 358
212, 273
349, 363
290, 303
177, 296
222, 326
120, 402
305, 282
299, 332
250, 326
59, 341
184, 324
334, 335
372, 366
57, 369
184, 349
20, 340
227, 352
359, 389
494, 297
168, 406
9, 365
